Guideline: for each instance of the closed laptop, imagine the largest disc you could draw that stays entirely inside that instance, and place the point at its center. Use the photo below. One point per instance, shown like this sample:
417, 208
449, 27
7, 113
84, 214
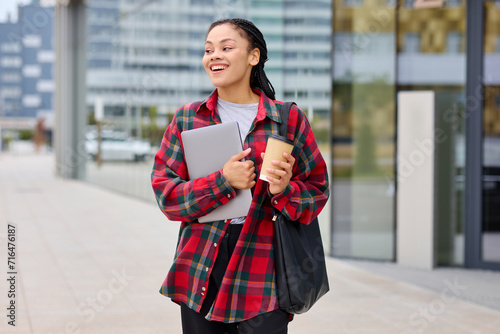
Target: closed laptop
206, 150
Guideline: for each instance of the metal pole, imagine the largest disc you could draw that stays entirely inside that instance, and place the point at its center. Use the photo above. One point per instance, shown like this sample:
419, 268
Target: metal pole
70, 92
473, 134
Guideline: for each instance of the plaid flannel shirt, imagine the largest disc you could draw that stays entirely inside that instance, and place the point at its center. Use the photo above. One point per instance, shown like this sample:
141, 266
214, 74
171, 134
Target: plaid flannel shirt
248, 287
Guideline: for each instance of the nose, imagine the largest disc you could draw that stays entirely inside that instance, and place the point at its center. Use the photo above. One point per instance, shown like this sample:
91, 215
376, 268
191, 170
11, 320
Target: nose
215, 55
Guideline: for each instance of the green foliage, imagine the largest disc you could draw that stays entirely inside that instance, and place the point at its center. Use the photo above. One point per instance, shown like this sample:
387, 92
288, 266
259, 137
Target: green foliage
26, 134
91, 118
152, 131
365, 161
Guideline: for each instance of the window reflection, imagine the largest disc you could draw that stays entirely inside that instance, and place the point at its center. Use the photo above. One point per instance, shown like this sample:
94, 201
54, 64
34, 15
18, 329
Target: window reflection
431, 56
363, 129
144, 61
491, 130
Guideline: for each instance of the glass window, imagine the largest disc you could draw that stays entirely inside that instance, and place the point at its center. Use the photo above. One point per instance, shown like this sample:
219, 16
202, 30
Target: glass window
411, 43
431, 56
11, 77
363, 130
153, 65
11, 47
454, 42
11, 62
491, 131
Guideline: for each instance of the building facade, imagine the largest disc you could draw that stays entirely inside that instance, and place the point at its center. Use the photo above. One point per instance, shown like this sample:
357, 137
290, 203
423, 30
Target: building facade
26, 68
348, 64
381, 51
148, 55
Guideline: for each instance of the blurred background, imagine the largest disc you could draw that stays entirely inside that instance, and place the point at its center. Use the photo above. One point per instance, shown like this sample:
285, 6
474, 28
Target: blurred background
96, 82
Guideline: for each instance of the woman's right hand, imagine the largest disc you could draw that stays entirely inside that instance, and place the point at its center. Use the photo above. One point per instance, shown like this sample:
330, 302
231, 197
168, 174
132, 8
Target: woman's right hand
240, 174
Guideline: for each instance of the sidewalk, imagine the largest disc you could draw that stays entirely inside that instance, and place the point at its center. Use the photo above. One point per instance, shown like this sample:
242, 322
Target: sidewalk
92, 261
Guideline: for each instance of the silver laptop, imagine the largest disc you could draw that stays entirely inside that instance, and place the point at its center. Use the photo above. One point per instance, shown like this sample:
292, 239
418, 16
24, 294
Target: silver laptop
206, 150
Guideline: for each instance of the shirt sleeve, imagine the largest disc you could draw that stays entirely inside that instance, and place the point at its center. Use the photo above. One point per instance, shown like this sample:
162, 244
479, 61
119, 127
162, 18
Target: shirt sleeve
308, 190
179, 198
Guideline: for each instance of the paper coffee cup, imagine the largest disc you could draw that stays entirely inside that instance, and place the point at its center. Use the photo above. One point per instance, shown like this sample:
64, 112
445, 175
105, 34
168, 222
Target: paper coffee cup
276, 146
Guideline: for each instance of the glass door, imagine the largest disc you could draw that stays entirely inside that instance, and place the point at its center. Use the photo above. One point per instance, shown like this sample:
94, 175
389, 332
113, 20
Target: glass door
490, 229
363, 129
482, 165
431, 45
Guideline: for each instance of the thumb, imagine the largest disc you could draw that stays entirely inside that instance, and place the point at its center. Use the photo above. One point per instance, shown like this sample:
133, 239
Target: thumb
241, 155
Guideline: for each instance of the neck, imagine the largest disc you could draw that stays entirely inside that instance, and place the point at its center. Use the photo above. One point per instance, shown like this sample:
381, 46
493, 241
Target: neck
238, 96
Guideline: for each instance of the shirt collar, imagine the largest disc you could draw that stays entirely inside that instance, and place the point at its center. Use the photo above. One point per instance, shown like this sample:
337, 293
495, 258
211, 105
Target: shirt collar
267, 106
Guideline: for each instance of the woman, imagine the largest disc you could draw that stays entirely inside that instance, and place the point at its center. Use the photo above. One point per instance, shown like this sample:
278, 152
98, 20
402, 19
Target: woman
223, 271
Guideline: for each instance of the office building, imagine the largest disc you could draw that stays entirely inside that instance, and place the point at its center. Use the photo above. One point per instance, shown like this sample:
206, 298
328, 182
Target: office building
148, 54
403, 96
26, 65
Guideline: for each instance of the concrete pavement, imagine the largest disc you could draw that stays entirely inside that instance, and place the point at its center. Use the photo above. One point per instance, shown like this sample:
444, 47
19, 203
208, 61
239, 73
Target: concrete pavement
87, 260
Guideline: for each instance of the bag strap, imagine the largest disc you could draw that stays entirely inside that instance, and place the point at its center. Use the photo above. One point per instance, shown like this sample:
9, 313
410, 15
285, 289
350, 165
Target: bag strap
284, 112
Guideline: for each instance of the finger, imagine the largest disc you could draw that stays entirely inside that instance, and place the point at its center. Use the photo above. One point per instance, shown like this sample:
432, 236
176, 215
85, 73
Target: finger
272, 180
289, 158
282, 164
241, 155
279, 172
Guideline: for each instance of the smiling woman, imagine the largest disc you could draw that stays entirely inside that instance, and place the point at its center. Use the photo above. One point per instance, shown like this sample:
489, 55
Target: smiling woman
229, 60
229, 44
223, 272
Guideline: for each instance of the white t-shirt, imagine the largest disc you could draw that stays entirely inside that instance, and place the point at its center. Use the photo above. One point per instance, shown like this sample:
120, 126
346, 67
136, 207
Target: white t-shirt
244, 114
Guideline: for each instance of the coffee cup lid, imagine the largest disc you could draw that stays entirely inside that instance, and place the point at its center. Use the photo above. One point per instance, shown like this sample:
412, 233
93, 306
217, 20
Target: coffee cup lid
281, 138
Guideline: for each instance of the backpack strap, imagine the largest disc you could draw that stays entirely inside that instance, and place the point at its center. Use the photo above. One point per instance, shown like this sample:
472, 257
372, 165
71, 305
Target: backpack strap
284, 112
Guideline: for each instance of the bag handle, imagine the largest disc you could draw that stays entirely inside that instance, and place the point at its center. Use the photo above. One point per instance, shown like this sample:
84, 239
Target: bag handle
284, 112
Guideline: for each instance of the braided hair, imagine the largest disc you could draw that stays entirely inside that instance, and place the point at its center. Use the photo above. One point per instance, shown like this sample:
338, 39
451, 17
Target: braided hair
258, 78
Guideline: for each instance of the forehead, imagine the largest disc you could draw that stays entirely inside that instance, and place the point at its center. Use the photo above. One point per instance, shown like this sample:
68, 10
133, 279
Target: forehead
224, 32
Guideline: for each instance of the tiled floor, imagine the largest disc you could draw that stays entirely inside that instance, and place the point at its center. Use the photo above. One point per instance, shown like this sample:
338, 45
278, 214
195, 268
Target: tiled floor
92, 261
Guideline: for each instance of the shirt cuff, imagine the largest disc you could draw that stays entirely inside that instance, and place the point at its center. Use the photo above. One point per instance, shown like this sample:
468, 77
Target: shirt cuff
223, 186
280, 200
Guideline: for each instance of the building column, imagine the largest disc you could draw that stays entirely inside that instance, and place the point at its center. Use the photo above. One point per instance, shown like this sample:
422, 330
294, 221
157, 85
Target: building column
70, 91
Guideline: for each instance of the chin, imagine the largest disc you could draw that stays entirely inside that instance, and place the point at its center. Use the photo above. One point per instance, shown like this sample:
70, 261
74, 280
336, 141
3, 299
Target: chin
219, 83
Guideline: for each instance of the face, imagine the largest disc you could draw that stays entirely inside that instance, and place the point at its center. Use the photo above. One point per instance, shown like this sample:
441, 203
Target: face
227, 60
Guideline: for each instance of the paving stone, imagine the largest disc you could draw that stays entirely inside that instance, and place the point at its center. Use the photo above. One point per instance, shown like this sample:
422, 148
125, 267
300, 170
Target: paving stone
92, 261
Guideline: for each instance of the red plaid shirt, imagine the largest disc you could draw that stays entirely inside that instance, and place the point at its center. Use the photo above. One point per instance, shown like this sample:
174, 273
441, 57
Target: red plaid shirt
248, 288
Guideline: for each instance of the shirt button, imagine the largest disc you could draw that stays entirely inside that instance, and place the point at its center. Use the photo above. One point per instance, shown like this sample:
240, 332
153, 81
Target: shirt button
206, 269
215, 244
275, 202
203, 293
203, 289
228, 195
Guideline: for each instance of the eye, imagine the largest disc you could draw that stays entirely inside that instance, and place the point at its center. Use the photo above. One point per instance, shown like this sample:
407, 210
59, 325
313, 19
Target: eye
207, 51
226, 48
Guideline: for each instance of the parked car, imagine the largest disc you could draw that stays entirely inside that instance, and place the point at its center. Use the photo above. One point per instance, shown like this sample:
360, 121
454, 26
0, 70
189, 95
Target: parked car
115, 145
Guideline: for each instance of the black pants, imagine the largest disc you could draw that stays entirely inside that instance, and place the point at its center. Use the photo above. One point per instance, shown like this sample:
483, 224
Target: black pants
275, 322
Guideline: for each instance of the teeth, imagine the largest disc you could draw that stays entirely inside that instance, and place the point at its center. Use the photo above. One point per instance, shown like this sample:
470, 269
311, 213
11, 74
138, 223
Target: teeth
218, 67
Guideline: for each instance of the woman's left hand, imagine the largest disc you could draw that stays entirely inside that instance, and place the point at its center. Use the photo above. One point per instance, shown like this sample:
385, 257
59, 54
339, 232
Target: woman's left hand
278, 185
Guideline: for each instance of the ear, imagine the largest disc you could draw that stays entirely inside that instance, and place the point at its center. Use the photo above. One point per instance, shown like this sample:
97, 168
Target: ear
254, 56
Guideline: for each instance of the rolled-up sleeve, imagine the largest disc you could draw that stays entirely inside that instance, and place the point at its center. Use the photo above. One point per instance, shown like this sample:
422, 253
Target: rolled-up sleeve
179, 198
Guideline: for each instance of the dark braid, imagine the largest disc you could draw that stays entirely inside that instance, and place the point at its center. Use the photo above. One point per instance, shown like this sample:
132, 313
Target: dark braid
258, 78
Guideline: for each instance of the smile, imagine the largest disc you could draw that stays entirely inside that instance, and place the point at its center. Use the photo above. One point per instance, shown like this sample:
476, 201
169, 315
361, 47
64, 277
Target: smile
217, 68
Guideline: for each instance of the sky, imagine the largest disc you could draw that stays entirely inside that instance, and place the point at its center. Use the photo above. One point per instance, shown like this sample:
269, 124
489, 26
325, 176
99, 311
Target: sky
10, 6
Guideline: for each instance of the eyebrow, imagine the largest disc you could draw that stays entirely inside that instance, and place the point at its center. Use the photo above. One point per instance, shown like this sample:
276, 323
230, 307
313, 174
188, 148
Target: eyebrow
222, 41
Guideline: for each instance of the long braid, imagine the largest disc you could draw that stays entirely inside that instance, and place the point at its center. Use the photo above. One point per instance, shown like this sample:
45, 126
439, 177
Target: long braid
258, 77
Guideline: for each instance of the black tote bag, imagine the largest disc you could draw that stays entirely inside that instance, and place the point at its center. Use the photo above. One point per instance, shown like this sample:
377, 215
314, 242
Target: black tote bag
300, 267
